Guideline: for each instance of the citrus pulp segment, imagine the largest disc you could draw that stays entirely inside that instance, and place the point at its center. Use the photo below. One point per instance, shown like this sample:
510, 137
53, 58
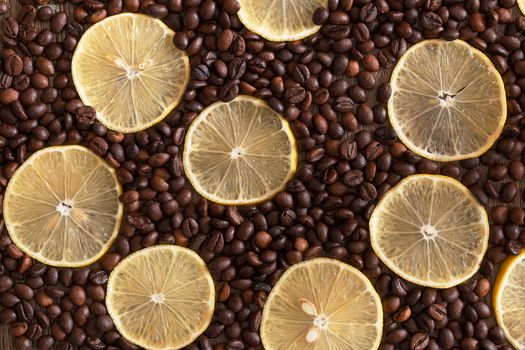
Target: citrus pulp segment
280, 20
430, 230
508, 299
161, 297
239, 152
448, 100
129, 70
62, 206
322, 304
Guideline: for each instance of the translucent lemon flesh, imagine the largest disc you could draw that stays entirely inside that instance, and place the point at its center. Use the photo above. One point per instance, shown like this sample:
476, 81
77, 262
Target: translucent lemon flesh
322, 304
448, 100
430, 230
61, 206
161, 297
239, 152
508, 299
128, 68
281, 20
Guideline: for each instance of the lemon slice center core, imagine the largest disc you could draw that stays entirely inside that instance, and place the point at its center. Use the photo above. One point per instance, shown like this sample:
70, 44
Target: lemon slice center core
236, 152
64, 207
429, 232
158, 298
447, 98
320, 320
132, 71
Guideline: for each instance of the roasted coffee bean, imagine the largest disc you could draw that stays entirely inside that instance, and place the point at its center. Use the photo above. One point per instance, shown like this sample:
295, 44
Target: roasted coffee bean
229, 91
24, 311
301, 73
397, 336
236, 68
419, 341
77, 295
437, 311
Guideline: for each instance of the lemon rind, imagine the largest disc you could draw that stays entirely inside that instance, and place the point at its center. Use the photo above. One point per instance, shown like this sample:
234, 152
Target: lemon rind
503, 275
144, 251
353, 270
274, 34
103, 119
442, 157
521, 6
429, 283
38, 256
187, 162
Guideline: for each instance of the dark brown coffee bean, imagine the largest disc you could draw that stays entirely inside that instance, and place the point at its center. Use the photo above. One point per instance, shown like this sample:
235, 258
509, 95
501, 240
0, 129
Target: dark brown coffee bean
419, 341
225, 39
229, 91
35, 333
508, 192
343, 104
13, 65
19, 328
437, 311
159, 11
5, 283
516, 170
294, 95
24, 292
397, 336
431, 21
236, 68
8, 299
24, 311
368, 13
9, 27
367, 191
446, 338
320, 15
301, 73
26, 14
77, 295
471, 177
366, 80
58, 22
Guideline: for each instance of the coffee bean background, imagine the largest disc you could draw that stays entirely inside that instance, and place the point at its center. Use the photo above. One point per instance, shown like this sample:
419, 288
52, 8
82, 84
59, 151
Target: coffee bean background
332, 87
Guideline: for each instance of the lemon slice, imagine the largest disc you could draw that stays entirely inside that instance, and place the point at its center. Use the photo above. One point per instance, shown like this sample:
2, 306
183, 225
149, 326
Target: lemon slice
508, 298
280, 20
239, 152
448, 100
521, 5
62, 206
128, 68
430, 230
322, 304
161, 297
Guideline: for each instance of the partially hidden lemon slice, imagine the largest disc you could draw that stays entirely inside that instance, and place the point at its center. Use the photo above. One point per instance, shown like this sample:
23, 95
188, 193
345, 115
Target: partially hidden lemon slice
239, 152
448, 100
280, 20
508, 298
161, 297
129, 70
521, 5
430, 230
62, 206
322, 304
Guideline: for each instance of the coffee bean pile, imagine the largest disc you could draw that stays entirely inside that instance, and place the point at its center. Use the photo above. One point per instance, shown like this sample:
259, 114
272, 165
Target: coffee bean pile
333, 88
